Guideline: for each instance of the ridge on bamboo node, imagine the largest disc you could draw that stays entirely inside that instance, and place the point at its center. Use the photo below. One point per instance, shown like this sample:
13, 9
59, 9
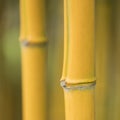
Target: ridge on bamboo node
79, 86
33, 44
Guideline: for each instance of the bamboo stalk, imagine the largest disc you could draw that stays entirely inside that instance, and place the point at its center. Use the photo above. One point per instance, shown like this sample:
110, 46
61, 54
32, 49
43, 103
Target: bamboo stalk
2, 74
79, 70
34, 49
103, 37
116, 49
55, 59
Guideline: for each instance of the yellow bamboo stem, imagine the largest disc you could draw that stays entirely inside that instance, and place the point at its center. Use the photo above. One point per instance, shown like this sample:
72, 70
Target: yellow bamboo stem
79, 70
81, 41
79, 105
33, 83
34, 49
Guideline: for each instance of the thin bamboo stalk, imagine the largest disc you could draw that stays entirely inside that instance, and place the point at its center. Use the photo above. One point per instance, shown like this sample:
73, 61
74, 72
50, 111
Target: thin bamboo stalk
79, 70
34, 49
116, 100
103, 37
2, 86
55, 57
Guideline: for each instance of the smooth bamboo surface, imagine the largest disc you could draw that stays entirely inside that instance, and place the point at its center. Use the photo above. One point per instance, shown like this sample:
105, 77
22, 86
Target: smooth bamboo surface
79, 104
32, 14
34, 56
103, 38
35, 20
80, 62
33, 84
81, 56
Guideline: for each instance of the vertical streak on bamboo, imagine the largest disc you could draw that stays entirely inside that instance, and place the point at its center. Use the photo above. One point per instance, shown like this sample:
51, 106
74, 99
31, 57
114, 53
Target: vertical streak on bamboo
80, 76
103, 37
34, 49
64, 71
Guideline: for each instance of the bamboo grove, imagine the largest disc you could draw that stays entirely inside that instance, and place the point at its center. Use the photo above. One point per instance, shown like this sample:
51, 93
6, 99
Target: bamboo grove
78, 79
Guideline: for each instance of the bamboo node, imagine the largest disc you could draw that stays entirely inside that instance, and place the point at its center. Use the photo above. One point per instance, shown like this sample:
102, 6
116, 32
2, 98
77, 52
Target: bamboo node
78, 86
27, 43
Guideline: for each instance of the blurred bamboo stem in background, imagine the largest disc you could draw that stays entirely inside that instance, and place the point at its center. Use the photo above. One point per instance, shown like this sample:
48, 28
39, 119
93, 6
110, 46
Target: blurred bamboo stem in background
79, 74
116, 114
2, 86
55, 58
103, 37
34, 53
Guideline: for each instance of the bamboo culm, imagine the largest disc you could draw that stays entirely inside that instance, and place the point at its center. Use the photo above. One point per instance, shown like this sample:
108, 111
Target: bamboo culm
34, 59
78, 78
103, 37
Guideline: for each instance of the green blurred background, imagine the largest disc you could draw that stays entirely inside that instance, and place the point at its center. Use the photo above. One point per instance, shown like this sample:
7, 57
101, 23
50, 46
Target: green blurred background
107, 60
